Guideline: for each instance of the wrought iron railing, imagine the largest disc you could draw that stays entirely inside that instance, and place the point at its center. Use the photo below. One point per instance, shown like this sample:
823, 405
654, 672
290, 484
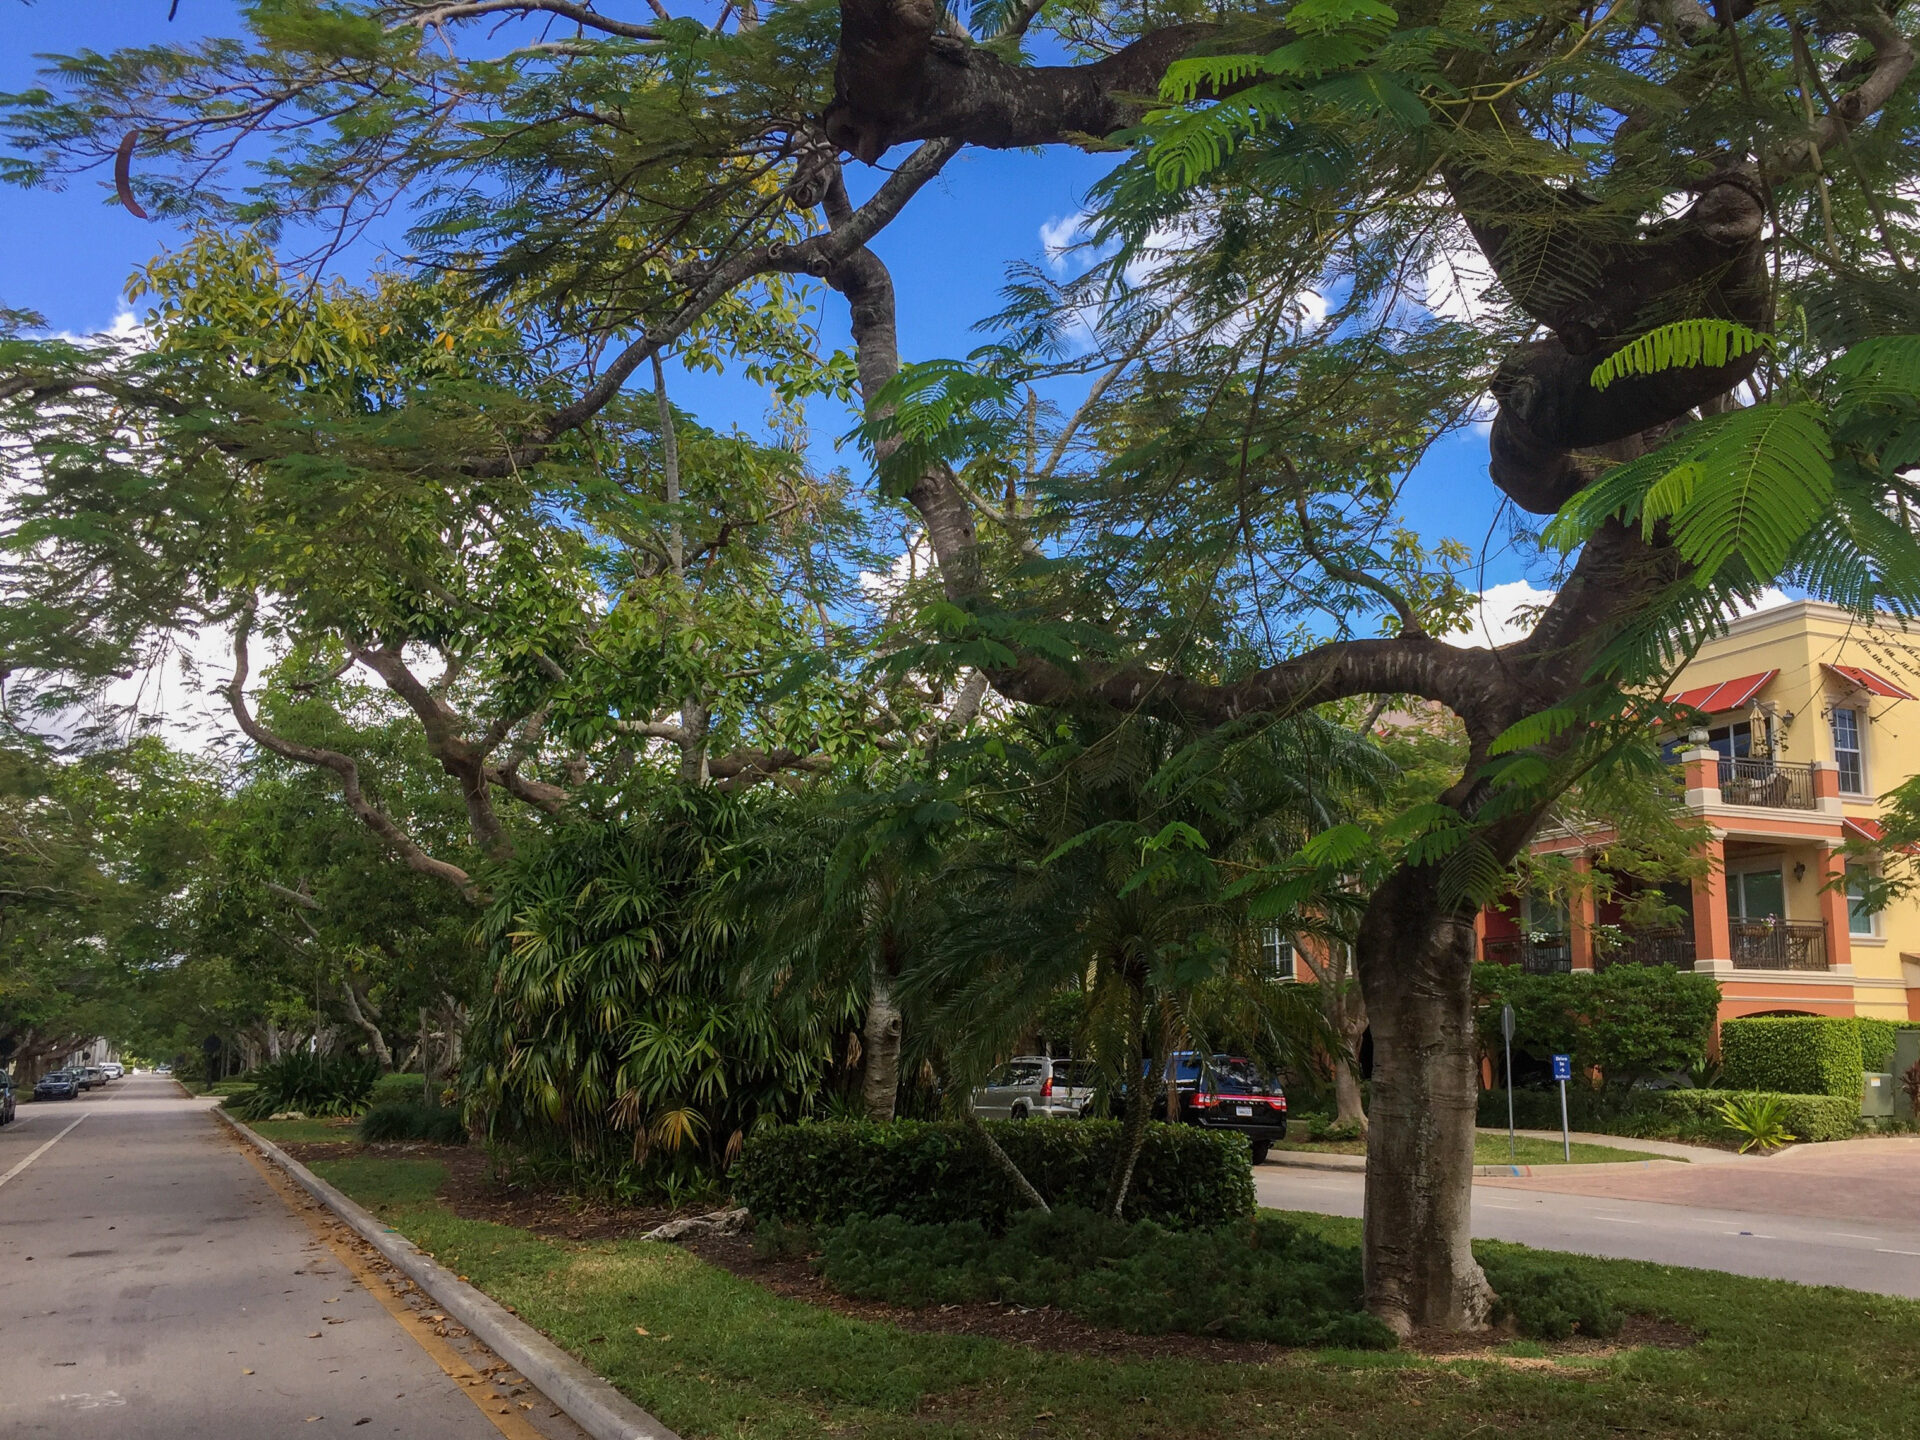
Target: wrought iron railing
1652, 945
1772, 944
1536, 957
1766, 782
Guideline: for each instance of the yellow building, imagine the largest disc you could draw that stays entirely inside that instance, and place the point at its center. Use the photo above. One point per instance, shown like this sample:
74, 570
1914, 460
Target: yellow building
1805, 718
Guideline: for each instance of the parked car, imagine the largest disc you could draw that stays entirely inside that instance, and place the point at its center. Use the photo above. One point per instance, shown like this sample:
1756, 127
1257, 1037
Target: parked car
1030, 1085
56, 1085
1227, 1092
7, 1102
92, 1076
113, 1068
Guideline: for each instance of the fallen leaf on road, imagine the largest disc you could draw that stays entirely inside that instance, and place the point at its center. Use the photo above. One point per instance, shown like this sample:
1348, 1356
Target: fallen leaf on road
246, 1372
313, 1334
364, 1420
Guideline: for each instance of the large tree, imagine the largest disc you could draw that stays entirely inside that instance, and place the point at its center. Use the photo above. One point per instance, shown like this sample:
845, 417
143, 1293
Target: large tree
1650, 187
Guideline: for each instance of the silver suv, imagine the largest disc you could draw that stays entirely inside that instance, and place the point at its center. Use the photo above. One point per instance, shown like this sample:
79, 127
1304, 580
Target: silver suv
1029, 1085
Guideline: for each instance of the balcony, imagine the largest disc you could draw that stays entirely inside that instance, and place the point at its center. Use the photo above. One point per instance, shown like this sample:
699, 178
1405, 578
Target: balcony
1767, 783
1779, 945
1655, 945
1553, 956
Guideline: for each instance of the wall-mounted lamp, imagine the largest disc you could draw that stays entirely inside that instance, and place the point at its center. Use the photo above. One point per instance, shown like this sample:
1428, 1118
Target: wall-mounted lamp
1799, 870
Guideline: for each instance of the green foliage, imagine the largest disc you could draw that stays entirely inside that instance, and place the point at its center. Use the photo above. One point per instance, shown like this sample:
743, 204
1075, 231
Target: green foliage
1683, 343
399, 1088
1794, 1054
623, 1030
930, 1172
316, 1085
1877, 1040
1683, 1115
1760, 1121
1627, 1021
413, 1120
1254, 1279
1550, 1302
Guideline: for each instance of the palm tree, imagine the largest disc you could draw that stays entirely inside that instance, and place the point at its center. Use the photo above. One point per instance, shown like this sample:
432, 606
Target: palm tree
1119, 859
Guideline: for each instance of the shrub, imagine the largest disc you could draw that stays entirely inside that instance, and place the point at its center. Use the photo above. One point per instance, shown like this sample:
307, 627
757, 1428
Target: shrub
1549, 1302
1792, 1055
413, 1120
316, 1085
935, 1171
1628, 1021
1253, 1279
1877, 1041
398, 1088
1663, 1114
1760, 1119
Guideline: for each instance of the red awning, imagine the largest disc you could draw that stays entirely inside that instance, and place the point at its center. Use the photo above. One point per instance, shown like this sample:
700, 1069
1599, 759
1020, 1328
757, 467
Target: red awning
1871, 831
1727, 695
1873, 684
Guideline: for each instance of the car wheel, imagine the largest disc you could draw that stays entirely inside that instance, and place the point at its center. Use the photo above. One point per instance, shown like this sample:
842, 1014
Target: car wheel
1262, 1149
1019, 1112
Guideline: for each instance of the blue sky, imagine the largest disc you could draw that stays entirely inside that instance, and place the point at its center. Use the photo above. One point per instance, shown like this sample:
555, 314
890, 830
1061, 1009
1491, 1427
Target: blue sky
67, 254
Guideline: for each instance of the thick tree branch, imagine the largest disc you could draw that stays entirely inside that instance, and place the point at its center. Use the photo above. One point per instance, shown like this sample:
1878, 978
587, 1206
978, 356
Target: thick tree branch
343, 767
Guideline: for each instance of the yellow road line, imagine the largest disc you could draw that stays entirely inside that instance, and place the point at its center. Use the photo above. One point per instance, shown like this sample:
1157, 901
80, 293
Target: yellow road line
475, 1386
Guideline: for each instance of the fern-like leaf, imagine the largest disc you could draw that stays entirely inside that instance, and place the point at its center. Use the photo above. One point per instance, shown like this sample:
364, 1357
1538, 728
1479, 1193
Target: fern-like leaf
1681, 345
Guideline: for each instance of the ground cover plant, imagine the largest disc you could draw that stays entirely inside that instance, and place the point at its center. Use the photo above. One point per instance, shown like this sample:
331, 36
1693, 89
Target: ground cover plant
317, 1086
716, 1355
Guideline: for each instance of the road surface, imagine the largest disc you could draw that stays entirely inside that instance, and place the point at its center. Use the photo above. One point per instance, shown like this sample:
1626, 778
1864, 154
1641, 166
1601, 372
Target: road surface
1842, 1214
154, 1284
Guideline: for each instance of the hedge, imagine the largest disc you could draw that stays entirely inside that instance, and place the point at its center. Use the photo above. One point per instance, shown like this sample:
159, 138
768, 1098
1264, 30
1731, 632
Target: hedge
1792, 1055
933, 1172
399, 1088
1877, 1041
1627, 1021
1663, 1114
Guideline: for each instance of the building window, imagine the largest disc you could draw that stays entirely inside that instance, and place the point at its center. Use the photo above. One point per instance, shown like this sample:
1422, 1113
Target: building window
1846, 751
1757, 895
1860, 920
1276, 955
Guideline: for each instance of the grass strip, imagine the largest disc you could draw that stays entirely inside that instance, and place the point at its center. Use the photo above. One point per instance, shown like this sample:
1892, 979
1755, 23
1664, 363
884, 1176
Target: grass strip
714, 1355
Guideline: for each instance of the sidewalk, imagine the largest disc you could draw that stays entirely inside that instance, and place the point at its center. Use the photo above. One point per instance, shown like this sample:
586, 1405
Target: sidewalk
1694, 1154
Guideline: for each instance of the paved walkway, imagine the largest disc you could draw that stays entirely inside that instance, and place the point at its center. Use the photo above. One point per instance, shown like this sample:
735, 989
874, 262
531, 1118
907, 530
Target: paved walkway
1847, 1213
154, 1285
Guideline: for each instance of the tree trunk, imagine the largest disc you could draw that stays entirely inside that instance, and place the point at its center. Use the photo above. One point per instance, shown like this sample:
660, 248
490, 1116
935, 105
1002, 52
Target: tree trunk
1415, 958
1348, 1108
880, 1047
1140, 1099
375, 1040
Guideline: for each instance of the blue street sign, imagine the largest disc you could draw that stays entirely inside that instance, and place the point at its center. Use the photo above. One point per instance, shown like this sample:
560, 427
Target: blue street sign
1563, 1067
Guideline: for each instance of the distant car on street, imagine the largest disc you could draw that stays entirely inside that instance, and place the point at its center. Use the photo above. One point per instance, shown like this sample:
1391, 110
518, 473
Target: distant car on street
7, 1103
113, 1069
56, 1085
1029, 1086
163, 1069
91, 1077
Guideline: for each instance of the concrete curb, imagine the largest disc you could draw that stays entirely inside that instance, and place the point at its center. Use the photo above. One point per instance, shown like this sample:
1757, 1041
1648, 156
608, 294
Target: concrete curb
590, 1402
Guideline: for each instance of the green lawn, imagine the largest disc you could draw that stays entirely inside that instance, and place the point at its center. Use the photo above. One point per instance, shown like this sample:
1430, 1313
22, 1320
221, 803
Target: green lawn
720, 1357
300, 1132
1492, 1150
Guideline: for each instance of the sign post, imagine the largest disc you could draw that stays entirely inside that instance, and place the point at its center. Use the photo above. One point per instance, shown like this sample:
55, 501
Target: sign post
1506, 1034
1563, 1072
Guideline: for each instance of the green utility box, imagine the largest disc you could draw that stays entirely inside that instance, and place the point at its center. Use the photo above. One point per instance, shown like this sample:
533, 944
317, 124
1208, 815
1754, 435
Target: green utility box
1877, 1092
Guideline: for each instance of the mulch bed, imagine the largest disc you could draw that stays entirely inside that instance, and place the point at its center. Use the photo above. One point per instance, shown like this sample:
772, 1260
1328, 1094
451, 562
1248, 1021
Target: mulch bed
473, 1192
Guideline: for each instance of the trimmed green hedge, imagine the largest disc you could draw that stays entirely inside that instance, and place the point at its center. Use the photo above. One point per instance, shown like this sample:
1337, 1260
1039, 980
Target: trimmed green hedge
1663, 1114
1877, 1040
1793, 1055
934, 1172
1628, 1021
399, 1088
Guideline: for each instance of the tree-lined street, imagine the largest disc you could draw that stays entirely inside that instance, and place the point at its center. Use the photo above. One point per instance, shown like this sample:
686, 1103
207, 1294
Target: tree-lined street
155, 1285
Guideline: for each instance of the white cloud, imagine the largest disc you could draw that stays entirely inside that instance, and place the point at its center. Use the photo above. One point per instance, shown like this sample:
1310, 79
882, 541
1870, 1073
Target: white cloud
1506, 613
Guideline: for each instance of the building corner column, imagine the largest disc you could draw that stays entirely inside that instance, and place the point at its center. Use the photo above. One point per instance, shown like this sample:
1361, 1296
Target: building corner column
1580, 915
1712, 931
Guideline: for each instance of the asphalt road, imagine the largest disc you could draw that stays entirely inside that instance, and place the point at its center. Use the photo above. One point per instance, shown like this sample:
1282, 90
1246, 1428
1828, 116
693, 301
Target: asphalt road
1840, 1246
153, 1284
